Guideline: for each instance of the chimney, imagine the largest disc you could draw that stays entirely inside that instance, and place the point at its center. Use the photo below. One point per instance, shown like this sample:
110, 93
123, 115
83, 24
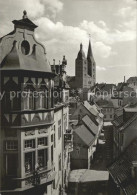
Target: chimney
134, 169
54, 69
124, 79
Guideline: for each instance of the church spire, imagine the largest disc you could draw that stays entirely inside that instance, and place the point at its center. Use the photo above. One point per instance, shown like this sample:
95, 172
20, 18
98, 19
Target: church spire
90, 54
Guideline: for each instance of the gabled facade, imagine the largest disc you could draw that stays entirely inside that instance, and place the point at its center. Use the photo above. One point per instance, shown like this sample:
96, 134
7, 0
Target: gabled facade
32, 124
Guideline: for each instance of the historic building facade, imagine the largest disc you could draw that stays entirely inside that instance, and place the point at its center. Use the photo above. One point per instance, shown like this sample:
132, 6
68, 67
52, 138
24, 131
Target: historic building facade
85, 72
32, 124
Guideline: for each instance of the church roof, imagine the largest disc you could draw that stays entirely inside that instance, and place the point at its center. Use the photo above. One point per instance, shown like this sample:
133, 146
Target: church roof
90, 53
81, 54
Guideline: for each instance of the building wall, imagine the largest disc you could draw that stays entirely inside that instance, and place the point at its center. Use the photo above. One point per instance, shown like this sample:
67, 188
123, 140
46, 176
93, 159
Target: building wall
108, 113
86, 188
60, 125
79, 156
108, 133
128, 135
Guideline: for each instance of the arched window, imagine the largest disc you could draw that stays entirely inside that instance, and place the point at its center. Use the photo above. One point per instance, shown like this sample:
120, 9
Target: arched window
28, 96
43, 96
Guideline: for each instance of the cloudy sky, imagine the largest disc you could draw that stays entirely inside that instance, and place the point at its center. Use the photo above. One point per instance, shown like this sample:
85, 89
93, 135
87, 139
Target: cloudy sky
64, 24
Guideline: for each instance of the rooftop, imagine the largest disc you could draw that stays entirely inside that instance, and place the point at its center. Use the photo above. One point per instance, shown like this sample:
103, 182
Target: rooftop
85, 134
23, 52
84, 175
120, 170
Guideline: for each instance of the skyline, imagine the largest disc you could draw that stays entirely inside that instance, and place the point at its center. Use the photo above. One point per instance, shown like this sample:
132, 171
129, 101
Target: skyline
63, 25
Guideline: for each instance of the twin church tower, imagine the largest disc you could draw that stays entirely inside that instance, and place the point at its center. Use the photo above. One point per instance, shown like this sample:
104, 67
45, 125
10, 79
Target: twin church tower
85, 70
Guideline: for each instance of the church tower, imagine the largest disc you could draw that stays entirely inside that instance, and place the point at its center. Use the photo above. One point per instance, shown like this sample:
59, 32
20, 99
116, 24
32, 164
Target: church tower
91, 65
81, 69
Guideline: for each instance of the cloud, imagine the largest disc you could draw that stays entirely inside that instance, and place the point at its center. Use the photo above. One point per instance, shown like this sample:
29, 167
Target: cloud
68, 38
103, 50
35, 8
128, 14
106, 35
124, 11
53, 5
99, 68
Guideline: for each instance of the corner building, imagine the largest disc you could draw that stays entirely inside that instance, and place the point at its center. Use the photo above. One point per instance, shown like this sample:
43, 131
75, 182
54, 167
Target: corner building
31, 125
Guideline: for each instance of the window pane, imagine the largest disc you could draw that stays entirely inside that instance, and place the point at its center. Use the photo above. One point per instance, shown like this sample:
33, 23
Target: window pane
11, 145
43, 141
29, 162
43, 158
30, 143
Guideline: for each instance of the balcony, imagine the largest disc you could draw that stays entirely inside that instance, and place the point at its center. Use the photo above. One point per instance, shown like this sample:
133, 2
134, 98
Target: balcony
36, 179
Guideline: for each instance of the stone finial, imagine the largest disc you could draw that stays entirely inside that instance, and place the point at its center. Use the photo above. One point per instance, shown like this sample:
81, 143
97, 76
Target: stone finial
24, 14
81, 46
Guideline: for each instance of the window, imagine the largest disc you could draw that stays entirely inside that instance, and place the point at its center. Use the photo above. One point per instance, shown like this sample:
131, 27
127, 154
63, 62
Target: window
30, 143
11, 145
60, 162
59, 129
52, 138
25, 47
52, 153
104, 116
43, 158
110, 116
78, 150
29, 162
43, 99
28, 100
54, 141
15, 102
43, 141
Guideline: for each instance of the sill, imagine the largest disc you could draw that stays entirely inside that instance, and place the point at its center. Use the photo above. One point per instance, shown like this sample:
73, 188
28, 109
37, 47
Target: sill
27, 175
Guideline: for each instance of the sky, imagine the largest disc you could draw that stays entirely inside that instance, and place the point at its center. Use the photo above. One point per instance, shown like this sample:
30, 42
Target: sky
64, 24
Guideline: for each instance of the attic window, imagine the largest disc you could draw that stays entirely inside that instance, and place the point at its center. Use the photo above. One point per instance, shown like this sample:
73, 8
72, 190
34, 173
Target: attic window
25, 47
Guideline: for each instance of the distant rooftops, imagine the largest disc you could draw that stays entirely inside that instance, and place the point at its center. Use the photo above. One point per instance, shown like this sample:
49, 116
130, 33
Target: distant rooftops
105, 103
132, 79
89, 122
